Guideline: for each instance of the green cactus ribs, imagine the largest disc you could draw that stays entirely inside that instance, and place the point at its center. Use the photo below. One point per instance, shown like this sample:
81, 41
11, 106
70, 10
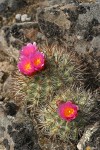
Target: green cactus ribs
60, 71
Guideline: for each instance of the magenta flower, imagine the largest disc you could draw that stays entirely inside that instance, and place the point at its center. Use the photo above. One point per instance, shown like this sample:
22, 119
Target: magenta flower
67, 110
28, 49
38, 60
25, 66
31, 60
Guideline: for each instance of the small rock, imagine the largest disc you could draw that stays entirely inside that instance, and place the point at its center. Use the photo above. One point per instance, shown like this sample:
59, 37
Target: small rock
23, 135
28, 19
11, 108
18, 17
18, 134
23, 17
90, 132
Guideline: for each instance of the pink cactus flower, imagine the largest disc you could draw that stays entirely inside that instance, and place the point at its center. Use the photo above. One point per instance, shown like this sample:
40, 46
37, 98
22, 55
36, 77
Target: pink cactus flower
25, 66
28, 49
68, 111
38, 60
31, 60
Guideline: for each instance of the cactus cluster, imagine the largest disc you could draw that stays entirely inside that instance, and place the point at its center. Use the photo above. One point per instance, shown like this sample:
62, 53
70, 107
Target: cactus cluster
60, 71
57, 81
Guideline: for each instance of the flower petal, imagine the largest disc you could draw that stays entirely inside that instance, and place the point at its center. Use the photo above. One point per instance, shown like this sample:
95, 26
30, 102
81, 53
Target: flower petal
28, 50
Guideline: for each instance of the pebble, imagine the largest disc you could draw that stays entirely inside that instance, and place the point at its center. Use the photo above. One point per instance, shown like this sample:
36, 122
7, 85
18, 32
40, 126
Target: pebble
28, 19
79, 37
11, 108
18, 17
23, 17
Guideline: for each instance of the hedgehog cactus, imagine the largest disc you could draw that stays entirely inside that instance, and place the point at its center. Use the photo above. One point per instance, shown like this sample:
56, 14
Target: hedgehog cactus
56, 81
59, 71
54, 125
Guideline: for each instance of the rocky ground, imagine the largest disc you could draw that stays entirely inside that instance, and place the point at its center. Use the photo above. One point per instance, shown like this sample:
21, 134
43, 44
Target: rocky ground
75, 23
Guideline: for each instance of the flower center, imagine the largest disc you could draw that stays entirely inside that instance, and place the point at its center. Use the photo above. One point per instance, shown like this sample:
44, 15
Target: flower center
27, 66
68, 112
37, 61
